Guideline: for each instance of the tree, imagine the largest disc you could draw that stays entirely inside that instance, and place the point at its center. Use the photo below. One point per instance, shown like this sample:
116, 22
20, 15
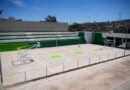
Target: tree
76, 27
50, 18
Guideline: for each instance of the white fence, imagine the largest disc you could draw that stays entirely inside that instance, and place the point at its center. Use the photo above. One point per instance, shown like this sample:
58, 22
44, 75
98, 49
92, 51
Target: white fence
53, 70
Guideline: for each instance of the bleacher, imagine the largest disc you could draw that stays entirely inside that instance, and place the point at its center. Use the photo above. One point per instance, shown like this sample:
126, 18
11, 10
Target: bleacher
47, 39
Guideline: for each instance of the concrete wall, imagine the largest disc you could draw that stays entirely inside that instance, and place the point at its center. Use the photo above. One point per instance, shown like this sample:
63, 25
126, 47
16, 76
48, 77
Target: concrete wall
88, 36
116, 35
29, 26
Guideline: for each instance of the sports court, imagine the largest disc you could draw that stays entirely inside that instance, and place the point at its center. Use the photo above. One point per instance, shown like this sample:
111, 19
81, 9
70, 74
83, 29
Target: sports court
48, 61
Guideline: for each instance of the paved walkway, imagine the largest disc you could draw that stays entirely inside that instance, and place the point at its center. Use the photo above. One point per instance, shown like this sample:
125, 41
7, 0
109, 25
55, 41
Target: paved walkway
123, 86
1, 87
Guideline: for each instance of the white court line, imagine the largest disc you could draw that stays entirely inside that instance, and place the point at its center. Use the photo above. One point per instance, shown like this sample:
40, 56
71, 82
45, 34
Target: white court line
38, 60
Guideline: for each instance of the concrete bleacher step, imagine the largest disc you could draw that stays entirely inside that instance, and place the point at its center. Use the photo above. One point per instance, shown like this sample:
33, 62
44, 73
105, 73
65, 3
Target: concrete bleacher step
12, 41
34, 36
36, 33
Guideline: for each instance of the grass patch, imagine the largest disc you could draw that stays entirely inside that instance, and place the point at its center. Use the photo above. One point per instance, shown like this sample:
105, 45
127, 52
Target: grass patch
12, 46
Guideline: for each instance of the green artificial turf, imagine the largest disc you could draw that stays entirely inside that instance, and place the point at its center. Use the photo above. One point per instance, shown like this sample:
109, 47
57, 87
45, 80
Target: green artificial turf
12, 46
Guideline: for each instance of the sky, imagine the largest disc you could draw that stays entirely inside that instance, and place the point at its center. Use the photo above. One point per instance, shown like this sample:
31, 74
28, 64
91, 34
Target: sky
66, 10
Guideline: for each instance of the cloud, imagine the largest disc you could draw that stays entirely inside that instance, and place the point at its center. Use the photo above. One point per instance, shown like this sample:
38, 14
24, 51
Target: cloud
17, 2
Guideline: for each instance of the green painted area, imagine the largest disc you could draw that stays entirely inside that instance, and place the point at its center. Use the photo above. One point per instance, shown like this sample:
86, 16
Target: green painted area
97, 38
56, 56
96, 49
12, 46
78, 53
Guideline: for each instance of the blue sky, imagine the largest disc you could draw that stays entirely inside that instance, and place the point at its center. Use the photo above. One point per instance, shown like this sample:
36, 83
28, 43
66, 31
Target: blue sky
66, 10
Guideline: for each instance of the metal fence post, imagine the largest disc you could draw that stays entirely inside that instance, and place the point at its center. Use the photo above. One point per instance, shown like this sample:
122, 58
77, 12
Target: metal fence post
25, 76
1, 74
124, 52
89, 61
63, 67
107, 56
1, 79
46, 71
77, 63
115, 55
99, 59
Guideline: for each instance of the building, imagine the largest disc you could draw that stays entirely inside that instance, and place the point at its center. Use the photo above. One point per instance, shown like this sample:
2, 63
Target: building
122, 26
120, 40
13, 25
